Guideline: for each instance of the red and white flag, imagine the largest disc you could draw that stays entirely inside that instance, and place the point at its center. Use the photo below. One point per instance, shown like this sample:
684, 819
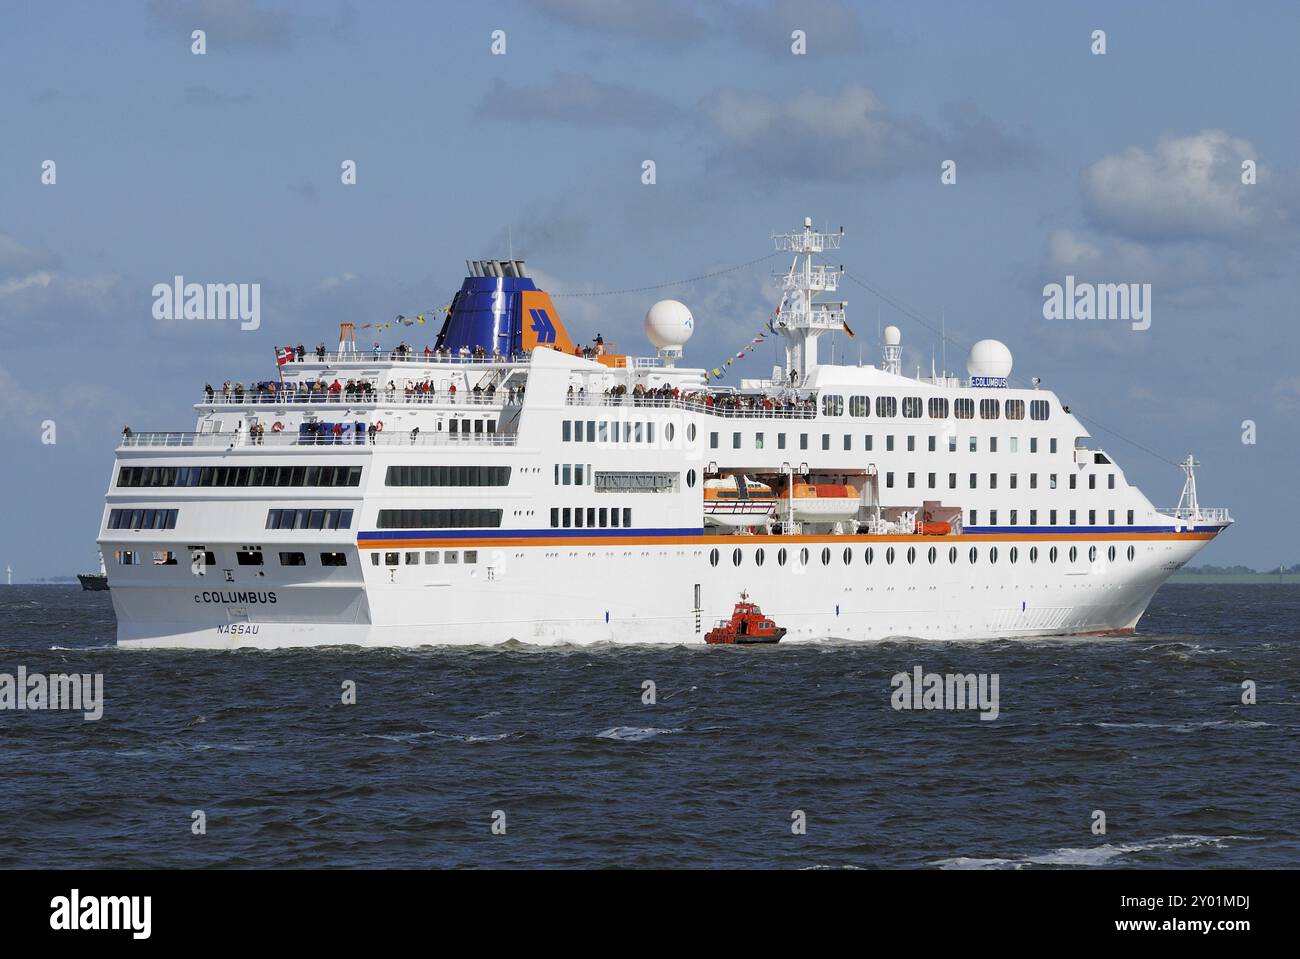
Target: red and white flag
283, 355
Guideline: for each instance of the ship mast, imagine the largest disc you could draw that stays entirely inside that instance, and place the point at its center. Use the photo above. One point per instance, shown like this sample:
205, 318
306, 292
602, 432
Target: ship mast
801, 320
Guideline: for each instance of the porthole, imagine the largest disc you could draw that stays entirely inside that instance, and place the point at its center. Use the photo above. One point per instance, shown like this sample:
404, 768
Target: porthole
848, 556
690, 478
1074, 554
803, 556
974, 554
690, 432
780, 556
933, 555
1033, 554
952, 554
735, 556
1014, 554
1092, 554
993, 554
668, 432
758, 556
1110, 554
826, 556
1130, 554
713, 557
911, 555
1052, 555
889, 556
868, 555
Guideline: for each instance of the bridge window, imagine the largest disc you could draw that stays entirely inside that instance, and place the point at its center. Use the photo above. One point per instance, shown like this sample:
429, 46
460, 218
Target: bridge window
859, 406
293, 559
447, 476
989, 409
911, 407
142, 519
1015, 409
1039, 409
963, 409
938, 408
333, 559
248, 557
832, 405
886, 407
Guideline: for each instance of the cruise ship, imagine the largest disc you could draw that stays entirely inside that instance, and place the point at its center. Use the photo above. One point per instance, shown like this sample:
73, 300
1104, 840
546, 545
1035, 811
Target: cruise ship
506, 483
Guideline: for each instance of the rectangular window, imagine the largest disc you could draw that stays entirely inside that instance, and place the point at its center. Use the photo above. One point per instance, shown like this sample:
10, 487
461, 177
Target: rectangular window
1013, 444
911, 481
1092, 481
974, 444
1033, 444
866, 442
952, 443
471, 556
438, 518
973, 513
555, 517
993, 481
1033, 481
604, 516
577, 475
1110, 481
627, 517
932, 442
758, 441
803, 441
568, 517
1074, 481
450, 557
1092, 517
713, 441
334, 559
889, 480
993, 517
1110, 517
848, 441
889, 443
1051, 519
413, 558
1051, 445
1130, 517
952, 481
993, 444
1033, 517
735, 441
780, 441
1014, 514
1014, 477
1073, 516
1051, 481
566, 431
826, 441
293, 559
591, 431
248, 557
930, 477
973, 483
602, 432
566, 471
431, 557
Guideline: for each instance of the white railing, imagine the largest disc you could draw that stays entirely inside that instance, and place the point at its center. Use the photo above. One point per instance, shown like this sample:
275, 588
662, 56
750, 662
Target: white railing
415, 356
385, 397
1214, 514
720, 407
243, 440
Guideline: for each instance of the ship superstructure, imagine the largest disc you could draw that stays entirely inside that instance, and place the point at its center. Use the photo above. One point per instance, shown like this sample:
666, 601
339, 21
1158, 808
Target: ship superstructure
504, 483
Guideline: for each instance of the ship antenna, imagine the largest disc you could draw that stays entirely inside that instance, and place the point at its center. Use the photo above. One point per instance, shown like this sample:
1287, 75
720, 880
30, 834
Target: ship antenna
943, 336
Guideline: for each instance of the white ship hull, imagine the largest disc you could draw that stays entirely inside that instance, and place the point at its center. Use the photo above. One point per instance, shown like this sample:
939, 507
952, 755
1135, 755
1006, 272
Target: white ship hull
635, 594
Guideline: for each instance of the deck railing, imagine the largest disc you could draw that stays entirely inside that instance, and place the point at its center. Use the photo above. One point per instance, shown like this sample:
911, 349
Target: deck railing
243, 440
1204, 514
330, 357
378, 397
718, 408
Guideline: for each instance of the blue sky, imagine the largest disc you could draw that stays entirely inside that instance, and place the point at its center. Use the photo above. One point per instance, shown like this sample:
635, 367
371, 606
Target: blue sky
226, 168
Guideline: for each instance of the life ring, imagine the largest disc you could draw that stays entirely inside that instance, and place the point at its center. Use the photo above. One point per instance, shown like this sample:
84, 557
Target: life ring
277, 427
379, 426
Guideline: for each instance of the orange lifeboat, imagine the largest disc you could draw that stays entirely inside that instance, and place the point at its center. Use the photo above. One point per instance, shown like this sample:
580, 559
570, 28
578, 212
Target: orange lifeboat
747, 627
824, 502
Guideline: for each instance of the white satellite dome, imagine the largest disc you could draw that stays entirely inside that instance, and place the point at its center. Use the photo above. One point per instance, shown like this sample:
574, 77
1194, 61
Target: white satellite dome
893, 336
669, 324
989, 358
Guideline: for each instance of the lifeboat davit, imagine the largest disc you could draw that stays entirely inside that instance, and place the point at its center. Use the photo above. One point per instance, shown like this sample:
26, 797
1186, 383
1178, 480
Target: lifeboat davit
824, 502
747, 627
737, 501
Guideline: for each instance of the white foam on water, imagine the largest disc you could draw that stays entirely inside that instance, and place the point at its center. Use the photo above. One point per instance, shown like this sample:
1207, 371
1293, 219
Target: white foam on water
1092, 856
634, 733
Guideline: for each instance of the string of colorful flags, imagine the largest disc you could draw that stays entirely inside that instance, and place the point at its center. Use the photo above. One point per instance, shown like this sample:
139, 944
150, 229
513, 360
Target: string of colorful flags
769, 327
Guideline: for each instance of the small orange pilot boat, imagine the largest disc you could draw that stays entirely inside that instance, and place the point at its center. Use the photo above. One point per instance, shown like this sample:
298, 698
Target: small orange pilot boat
747, 626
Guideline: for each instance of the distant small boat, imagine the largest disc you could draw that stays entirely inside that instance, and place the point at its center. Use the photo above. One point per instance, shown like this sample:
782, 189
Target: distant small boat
95, 582
747, 627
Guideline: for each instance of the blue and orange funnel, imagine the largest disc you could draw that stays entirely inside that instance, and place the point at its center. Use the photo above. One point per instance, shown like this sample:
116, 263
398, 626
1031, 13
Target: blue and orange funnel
500, 309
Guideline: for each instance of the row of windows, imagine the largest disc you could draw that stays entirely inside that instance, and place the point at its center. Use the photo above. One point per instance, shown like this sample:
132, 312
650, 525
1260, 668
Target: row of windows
868, 442
142, 519
239, 476
244, 557
438, 518
614, 431
932, 555
309, 519
990, 408
1013, 481
592, 517
447, 476
432, 557
1051, 520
